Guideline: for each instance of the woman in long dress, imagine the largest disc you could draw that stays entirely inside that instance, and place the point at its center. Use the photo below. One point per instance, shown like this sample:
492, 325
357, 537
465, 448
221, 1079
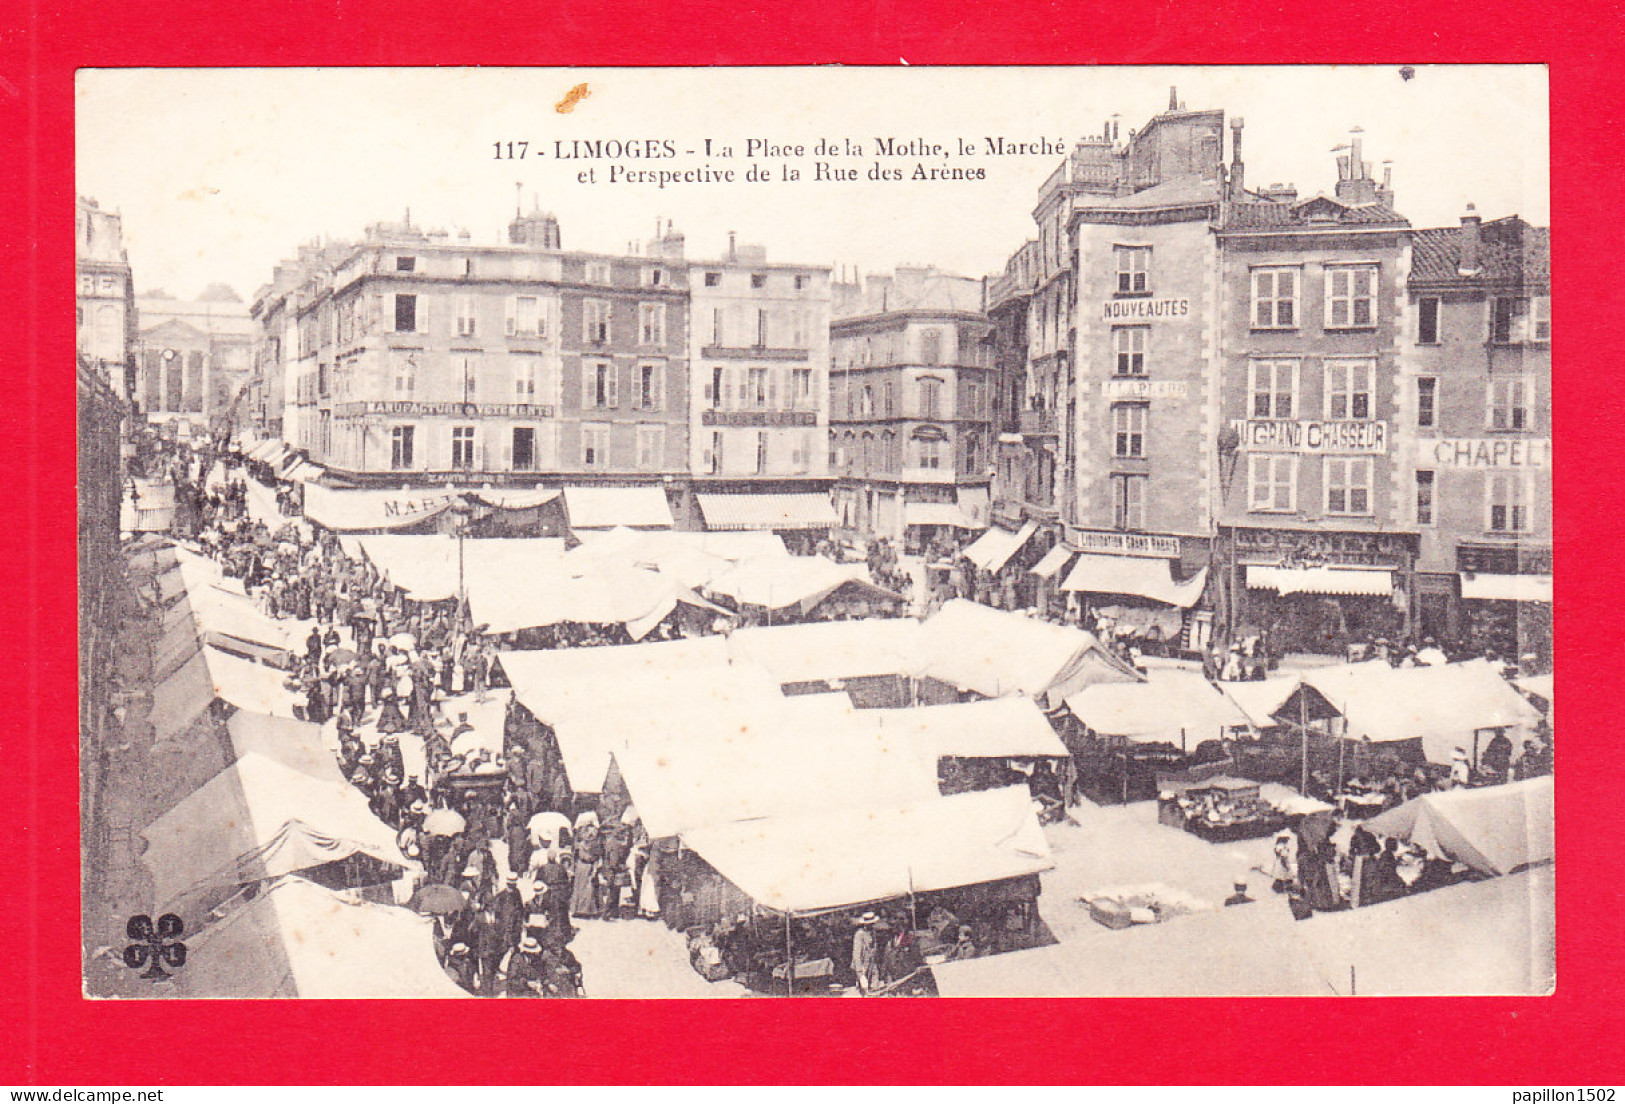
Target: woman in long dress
589, 854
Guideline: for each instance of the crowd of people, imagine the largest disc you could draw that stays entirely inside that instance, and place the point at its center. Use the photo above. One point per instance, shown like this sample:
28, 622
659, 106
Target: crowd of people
1321, 874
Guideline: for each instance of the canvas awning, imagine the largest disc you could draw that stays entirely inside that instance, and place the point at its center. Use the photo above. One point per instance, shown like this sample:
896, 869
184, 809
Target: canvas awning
1321, 580
1443, 705
1054, 561
180, 700
830, 859
297, 744
719, 771
1173, 705
779, 582
1506, 588
995, 652
939, 513
259, 819
1268, 702
514, 498
825, 650
726, 512
1141, 576
363, 511
1493, 829
997, 728
298, 939
607, 507
993, 549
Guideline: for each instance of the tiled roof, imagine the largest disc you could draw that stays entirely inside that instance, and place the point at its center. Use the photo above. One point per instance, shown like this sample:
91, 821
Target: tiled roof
1186, 191
1510, 251
1248, 216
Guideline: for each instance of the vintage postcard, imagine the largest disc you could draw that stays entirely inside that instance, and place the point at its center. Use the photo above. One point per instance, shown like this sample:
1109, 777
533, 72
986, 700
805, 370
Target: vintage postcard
911, 532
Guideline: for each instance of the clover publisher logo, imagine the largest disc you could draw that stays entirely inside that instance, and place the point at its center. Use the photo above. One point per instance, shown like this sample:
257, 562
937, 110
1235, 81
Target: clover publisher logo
155, 945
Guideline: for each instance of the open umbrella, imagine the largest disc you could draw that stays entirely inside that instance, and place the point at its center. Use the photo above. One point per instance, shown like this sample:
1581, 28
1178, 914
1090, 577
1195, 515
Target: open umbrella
444, 822
547, 825
342, 655
403, 640
438, 899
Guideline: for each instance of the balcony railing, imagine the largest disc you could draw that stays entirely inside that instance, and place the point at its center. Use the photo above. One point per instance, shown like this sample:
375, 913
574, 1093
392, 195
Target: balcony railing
753, 352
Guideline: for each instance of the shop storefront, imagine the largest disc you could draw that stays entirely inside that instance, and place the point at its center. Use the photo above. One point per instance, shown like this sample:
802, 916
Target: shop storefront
1136, 586
1506, 601
1318, 591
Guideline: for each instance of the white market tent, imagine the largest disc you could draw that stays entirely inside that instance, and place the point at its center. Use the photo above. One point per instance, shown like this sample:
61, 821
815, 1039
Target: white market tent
1493, 829
994, 653
425, 567
211, 674
298, 939
1172, 706
308, 748
997, 728
780, 582
546, 680
824, 650
259, 819
994, 548
693, 559
1262, 699
1443, 705
835, 858
719, 770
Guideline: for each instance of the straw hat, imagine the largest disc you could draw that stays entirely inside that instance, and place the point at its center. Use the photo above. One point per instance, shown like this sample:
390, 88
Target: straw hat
868, 918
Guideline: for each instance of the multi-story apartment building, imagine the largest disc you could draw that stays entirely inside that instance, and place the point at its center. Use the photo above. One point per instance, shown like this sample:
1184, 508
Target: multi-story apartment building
1028, 457
758, 344
911, 399
105, 296
1318, 542
272, 403
1476, 438
195, 360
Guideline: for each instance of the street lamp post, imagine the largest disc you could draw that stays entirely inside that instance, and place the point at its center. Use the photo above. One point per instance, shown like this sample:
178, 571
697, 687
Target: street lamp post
462, 511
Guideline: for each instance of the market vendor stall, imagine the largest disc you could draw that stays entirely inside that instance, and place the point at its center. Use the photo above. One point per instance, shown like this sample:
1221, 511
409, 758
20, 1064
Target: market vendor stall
1219, 809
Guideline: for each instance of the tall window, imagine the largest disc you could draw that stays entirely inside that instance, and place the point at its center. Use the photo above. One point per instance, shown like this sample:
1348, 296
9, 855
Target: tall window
1427, 320
866, 407
1427, 402
651, 447
972, 454
1133, 269
1275, 298
717, 390
651, 323
1272, 483
599, 384
466, 373
761, 452
1348, 484
1540, 318
406, 378
886, 402
1348, 389
930, 398
1424, 498
761, 330
400, 446
524, 379
1129, 429
930, 451
598, 272
595, 321
931, 347
714, 456
1508, 501
801, 388
1274, 387
654, 277
1130, 343
1505, 314
462, 447
649, 387
756, 388
465, 315
1128, 501
718, 330
524, 448
1509, 404
595, 446
406, 313
525, 316
1351, 296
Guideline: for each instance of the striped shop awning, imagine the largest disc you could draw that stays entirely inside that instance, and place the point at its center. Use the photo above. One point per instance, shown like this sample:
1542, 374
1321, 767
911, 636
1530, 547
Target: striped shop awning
1321, 580
1506, 588
733, 512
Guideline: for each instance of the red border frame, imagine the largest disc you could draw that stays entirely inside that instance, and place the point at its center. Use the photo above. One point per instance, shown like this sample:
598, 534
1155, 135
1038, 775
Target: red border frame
53, 1036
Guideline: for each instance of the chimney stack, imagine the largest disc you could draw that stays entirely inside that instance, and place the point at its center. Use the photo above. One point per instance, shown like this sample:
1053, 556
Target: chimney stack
733, 246
1173, 97
1470, 222
1238, 173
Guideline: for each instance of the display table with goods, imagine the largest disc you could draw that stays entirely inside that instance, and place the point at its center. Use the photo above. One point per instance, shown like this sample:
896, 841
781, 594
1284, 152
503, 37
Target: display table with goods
1220, 810
1125, 906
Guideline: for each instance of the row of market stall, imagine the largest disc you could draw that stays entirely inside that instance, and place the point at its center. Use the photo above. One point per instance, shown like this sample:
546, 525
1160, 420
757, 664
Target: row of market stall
283, 877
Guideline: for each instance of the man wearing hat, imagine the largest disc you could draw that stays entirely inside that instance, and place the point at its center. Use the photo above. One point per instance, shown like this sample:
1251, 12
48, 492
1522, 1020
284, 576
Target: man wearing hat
865, 954
1461, 772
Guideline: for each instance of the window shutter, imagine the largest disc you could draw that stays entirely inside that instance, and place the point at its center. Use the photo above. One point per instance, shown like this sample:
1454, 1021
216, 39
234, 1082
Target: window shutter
656, 386
512, 316
611, 382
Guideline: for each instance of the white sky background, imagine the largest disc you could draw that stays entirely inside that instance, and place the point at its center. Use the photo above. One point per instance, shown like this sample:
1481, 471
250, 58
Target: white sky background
221, 173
